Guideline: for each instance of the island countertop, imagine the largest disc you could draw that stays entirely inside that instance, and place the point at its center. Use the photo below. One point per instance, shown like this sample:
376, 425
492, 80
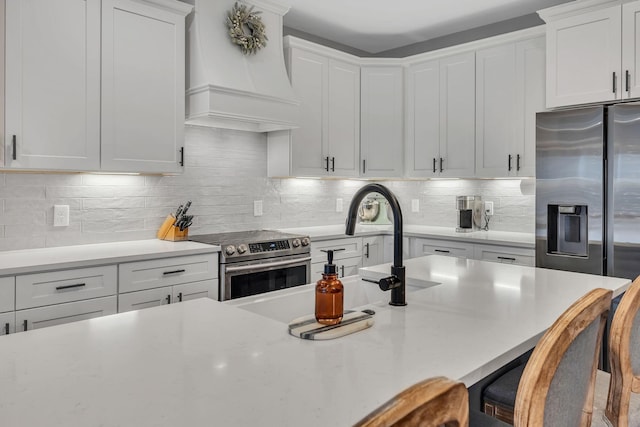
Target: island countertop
203, 363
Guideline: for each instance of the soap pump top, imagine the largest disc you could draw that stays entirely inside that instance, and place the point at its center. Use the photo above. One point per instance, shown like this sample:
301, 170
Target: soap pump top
330, 267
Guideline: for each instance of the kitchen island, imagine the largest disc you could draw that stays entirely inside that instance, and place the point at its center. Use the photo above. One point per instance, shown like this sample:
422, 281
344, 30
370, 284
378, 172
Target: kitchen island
208, 363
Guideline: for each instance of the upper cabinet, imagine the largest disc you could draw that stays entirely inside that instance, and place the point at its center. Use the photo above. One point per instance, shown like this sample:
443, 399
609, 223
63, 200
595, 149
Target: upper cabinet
441, 117
95, 85
592, 52
382, 121
509, 92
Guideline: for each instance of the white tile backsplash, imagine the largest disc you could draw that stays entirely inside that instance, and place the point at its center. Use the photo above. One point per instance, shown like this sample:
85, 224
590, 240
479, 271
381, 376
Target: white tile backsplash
225, 171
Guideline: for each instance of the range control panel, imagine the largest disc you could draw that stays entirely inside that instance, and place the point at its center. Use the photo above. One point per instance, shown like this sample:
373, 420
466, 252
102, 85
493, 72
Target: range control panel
277, 245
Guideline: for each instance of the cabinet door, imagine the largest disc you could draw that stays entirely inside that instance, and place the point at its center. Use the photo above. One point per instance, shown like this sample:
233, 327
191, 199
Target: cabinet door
496, 112
58, 314
142, 87
343, 115
457, 116
630, 47
372, 251
308, 74
7, 323
144, 299
7, 294
382, 121
52, 84
530, 77
584, 57
423, 130
349, 266
203, 289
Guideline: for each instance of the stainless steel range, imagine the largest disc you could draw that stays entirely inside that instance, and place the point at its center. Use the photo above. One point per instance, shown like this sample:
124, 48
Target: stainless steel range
253, 262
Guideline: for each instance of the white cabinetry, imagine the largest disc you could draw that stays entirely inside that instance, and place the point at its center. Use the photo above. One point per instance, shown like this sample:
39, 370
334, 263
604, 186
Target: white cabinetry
327, 141
7, 305
163, 281
382, 121
41, 317
7, 323
347, 256
441, 117
95, 85
509, 92
421, 247
505, 255
372, 251
592, 52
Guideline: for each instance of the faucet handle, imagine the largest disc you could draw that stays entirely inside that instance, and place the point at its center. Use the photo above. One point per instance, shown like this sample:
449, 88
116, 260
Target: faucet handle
390, 282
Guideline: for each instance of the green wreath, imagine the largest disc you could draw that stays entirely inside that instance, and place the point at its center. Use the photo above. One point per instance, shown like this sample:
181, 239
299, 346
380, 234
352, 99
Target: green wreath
246, 29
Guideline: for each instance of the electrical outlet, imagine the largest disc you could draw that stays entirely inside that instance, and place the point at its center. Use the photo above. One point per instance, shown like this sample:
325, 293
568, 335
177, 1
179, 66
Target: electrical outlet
257, 208
415, 205
60, 215
488, 208
339, 205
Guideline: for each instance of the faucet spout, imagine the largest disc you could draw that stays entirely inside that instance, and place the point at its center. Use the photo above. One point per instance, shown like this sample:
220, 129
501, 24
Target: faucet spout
396, 282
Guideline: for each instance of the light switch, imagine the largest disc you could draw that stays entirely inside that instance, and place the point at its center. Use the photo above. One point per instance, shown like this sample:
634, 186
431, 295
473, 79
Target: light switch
60, 215
257, 208
339, 205
415, 205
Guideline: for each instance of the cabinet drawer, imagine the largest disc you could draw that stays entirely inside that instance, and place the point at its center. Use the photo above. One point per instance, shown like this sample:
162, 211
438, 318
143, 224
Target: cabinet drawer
506, 255
7, 323
422, 247
137, 276
7, 294
204, 289
144, 299
55, 287
58, 314
344, 267
347, 248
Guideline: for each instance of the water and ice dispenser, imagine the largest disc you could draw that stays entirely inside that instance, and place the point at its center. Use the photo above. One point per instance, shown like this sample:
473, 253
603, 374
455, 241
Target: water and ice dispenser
567, 227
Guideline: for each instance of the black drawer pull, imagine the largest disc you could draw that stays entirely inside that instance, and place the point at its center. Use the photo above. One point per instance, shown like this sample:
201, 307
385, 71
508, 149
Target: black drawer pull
166, 273
367, 252
6, 329
77, 285
342, 270
518, 162
441, 170
442, 251
168, 298
506, 258
333, 164
15, 148
24, 325
434, 165
180, 297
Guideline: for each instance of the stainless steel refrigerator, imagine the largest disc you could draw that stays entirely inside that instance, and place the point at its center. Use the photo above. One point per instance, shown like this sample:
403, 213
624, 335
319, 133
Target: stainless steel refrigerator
588, 190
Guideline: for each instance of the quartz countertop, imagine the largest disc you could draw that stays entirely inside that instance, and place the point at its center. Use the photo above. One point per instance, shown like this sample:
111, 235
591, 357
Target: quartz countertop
44, 259
508, 238
203, 363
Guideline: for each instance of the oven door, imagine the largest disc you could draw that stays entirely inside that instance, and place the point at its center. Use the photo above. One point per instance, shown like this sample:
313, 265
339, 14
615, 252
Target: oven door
255, 277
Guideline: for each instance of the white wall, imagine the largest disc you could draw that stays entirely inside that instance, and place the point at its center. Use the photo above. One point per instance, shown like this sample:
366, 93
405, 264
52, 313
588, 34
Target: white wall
225, 172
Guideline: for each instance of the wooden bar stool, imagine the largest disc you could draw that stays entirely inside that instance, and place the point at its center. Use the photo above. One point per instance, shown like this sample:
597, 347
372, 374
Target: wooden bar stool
430, 403
556, 386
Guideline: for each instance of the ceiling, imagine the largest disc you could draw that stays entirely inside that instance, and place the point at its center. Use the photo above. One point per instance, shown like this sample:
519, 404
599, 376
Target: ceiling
377, 25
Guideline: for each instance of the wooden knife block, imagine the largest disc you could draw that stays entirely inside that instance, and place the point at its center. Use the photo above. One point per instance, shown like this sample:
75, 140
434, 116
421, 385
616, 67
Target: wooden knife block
168, 231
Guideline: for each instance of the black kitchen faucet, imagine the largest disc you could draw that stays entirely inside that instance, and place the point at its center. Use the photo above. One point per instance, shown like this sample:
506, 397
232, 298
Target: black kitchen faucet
395, 282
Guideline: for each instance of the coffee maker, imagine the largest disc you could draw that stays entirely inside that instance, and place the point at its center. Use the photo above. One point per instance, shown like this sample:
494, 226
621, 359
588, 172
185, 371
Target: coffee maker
469, 213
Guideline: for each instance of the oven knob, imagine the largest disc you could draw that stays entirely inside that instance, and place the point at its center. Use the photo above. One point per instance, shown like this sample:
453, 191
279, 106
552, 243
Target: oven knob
230, 250
296, 243
306, 241
242, 248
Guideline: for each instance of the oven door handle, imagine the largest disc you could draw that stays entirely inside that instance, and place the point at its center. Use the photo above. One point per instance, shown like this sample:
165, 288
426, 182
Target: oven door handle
266, 265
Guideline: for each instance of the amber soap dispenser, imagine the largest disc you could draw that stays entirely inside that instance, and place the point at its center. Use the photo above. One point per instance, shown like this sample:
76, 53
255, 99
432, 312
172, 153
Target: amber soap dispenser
329, 294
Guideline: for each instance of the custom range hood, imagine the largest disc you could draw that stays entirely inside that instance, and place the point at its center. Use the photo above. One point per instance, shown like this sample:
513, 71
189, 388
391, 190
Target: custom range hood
227, 89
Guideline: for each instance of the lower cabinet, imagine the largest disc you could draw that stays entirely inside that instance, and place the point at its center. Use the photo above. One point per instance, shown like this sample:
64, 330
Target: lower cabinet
372, 250
7, 323
505, 255
347, 256
421, 247
41, 317
167, 295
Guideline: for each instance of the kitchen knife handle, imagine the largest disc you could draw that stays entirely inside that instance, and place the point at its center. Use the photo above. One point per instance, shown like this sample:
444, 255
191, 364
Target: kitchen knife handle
333, 164
6, 328
627, 81
77, 285
367, 251
181, 156
326, 159
441, 165
434, 165
364, 166
25, 325
168, 298
509, 157
518, 162
506, 258
15, 147
166, 273
180, 297
615, 88
342, 270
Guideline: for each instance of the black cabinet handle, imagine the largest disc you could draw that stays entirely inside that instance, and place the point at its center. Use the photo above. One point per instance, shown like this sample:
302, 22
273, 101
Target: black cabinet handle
15, 147
509, 157
181, 156
180, 297
166, 273
615, 87
6, 329
518, 162
342, 270
434, 165
366, 254
326, 159
364, 166
506, 258
77, 285
333, 164
25, 325
627, 81
168, 298
441, 164
443, 251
